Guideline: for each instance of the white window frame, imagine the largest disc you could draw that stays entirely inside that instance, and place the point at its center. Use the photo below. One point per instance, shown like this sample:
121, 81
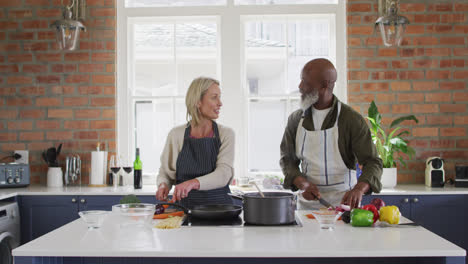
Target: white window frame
234, 112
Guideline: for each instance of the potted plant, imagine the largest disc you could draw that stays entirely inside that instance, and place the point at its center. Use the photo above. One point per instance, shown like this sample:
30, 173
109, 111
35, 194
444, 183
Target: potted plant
389, 144
54, 173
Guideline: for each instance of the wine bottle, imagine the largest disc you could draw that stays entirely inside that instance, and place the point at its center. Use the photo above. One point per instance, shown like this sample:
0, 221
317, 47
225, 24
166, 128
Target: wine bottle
137, 172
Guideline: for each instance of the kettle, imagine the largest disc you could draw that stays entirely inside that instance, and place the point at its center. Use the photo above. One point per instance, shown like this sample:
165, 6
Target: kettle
435, 174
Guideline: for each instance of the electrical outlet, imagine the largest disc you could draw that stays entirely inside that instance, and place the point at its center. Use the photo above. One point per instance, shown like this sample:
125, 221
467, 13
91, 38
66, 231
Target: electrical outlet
24, 156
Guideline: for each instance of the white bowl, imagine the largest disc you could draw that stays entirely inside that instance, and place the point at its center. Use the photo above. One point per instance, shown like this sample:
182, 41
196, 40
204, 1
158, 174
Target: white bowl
326, 218
94, 218
134, 214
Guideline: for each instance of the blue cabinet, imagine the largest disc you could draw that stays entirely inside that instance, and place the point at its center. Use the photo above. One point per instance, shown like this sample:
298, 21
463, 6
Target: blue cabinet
41, 214
445, 215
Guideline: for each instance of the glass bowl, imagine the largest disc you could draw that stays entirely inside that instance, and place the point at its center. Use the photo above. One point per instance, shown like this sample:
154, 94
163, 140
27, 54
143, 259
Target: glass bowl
93, 219
134, 214
326, 218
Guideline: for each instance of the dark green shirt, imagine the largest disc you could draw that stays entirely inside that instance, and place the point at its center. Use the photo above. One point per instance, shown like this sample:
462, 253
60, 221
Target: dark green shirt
354, 141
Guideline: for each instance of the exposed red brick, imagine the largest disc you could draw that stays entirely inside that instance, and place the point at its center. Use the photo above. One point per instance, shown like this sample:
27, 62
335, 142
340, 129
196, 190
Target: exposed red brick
59, 135
8, 68
360, 30
19, 13
84, 124
438, 97
388, 52
34, 68
439, 120
77, 79
102, 12
410, 97
100, 34
410, 7
441, 7
452, 108
9, 47
460, 74
385, 97
14, 58
425, 41
18, 101
453, 18
460, 96
375, 87
48, 79
60, 68
82, 56
361, 98
31, 136
108, 113
21, 35
95, 45
75, 101
7, 137
47, 101
110, 79
47, 124
7, 91
62, 89
452, 85
427, 18
400, 64
354, 64
452, 63
437, 52
106, 135
19, 80
425, 131
426, 63
103, 101
411, 75
103, 57
20, 125
401, 109
34, 114
49, 57
401, 86
32, 90
9, 147
439, 75
35, 24
60, 113
55, 12
87, 113
461, 120
462, 143
46, 35
102, 124
452, 131
91, 67
414, 30
85, 135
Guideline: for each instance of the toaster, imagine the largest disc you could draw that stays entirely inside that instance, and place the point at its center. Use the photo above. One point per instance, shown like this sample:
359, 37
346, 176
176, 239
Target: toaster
14, 175
435, 174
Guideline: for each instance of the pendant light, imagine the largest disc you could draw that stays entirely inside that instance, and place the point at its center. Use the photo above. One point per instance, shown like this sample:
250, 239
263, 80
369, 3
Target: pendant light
392, 26
67, 30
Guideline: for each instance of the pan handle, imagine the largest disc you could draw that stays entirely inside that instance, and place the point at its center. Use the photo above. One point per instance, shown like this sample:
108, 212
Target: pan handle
185, 209
236, 196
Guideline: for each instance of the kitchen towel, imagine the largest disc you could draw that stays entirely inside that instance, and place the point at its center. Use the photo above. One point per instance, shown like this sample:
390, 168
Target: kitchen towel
98, 168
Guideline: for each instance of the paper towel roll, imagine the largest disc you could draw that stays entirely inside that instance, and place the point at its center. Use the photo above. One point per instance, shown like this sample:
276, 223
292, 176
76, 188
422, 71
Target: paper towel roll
98, 168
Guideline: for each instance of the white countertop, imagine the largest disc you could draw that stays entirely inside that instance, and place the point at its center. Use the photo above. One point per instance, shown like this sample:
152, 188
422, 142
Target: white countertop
74, 239
414, 189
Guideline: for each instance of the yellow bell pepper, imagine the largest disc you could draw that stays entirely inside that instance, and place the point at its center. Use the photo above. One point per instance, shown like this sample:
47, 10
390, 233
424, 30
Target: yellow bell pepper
390, 214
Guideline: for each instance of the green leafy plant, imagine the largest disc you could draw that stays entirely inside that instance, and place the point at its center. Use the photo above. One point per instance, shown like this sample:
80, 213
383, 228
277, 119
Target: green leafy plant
130, 198
389, 144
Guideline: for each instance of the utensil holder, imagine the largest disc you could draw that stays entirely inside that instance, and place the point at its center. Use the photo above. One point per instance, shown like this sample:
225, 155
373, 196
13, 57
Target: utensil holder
54, 177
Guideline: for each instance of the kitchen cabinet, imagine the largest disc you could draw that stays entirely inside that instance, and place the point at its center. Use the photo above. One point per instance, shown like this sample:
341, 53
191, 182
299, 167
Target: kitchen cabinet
41, 214
444, 215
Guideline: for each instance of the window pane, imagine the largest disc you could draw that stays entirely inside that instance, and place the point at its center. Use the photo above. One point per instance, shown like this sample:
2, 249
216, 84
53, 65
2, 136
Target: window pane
196, 52
160, 3
283, 2
308, 39
154, 120
265, 134
153, 61
265, 55
181, 111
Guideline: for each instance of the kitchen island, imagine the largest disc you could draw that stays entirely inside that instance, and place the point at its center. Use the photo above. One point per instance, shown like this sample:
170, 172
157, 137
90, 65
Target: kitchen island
74, 243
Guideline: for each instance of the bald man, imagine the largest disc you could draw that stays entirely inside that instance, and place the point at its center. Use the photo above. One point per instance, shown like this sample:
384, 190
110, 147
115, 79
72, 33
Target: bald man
322, 143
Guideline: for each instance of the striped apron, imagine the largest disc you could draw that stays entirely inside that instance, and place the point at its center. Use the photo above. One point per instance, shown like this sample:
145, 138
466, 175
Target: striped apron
197, 158
322, 164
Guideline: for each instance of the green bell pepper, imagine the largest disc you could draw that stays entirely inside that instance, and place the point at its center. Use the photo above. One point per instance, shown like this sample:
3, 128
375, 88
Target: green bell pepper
360, 217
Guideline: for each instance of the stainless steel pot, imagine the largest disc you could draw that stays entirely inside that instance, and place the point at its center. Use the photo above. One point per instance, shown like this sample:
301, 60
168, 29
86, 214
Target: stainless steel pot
276, 208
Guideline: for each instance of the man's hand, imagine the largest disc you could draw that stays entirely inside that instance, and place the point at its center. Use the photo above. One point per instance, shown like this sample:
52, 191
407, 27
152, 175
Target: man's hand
162, 192
353, 198
181, 190
311, 191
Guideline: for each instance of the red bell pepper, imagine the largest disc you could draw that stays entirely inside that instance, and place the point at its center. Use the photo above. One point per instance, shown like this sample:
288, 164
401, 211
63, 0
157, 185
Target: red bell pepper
373, 209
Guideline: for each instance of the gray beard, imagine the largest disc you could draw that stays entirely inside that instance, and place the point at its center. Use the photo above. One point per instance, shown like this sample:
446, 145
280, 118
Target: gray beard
308, 100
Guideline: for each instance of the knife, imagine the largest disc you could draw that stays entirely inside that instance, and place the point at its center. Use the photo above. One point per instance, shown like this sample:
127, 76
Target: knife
325, 203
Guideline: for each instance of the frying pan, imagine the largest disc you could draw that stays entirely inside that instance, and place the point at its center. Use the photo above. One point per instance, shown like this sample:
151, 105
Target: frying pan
210, 211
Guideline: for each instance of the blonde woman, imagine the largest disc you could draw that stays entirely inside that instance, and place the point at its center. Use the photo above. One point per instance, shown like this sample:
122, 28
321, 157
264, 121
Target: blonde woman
198, 156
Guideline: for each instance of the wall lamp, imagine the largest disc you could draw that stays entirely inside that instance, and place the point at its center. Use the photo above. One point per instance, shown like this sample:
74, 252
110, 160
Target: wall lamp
67, 30
391, 25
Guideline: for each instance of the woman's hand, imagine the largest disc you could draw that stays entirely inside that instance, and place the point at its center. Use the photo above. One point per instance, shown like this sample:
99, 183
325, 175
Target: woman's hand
162, 192
181, 190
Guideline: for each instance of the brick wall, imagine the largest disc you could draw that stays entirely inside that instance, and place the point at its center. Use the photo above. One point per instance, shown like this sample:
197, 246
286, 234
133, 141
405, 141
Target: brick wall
426, 76
48, 96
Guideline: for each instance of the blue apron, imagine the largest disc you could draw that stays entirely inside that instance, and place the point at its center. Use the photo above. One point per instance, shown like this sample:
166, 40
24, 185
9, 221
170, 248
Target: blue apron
197, 158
